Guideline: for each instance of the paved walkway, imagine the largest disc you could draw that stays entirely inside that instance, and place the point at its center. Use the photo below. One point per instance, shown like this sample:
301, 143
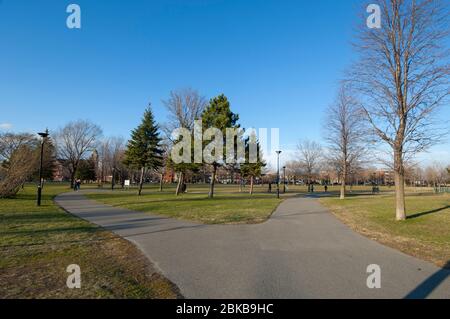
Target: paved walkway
303, 251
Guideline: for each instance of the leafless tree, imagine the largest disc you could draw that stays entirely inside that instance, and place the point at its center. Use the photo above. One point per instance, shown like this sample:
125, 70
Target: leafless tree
102, 164
294, 170
436, 174
309, 155
115, 150
184, 107
403, 77
345, 134
75, 141
22, 164
448, 174
10, 142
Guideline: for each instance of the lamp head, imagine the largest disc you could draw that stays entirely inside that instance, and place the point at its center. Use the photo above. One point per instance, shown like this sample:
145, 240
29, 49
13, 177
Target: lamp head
44, 134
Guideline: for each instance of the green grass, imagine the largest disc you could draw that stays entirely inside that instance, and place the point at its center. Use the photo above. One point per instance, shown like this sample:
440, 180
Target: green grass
425, 234
38, 243
229, 206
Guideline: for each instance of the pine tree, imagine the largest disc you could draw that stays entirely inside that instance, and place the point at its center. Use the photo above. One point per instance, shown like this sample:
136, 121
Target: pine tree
182, 169
252, 170
86, 170
48, 160
144, 150
218, 115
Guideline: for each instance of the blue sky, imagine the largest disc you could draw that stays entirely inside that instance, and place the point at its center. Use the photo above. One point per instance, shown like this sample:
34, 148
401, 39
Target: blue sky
277, 61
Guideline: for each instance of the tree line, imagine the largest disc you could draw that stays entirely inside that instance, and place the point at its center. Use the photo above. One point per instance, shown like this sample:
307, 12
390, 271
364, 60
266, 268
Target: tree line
79, 151
388, 101
390, 96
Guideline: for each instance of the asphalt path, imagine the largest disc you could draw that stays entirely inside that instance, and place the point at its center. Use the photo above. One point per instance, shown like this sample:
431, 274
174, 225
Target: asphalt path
302, 251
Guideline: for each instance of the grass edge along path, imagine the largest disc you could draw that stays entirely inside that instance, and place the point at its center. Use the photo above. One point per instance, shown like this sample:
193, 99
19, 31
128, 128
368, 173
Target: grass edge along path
38, 243
225, 208
425, 234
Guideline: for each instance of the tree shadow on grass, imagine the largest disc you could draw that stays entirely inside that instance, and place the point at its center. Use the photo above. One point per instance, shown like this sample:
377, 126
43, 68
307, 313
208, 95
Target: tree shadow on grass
428, 212
335, 194
430, 284
54, 230
187, 200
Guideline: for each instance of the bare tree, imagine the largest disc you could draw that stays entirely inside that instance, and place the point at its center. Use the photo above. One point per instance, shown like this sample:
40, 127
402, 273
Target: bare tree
344, 133
184, 107
436, 174
10, 142
103, 158
114, 157
22, 164
310, 156
448, 175
294, 170
75, 141
402, 78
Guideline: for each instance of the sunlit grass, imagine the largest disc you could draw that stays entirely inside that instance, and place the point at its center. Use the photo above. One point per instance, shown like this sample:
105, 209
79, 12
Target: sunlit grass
426, 232
38, 243
228, 206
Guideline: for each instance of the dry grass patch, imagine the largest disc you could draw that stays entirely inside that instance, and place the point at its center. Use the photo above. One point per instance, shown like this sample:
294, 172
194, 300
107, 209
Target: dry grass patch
37, 245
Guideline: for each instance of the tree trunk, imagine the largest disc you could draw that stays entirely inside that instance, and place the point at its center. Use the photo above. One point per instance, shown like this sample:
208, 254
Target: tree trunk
72, 179
161, 182
213, 180
343, 181
112, 179
141, 181
251, 185
399, 177
180, 183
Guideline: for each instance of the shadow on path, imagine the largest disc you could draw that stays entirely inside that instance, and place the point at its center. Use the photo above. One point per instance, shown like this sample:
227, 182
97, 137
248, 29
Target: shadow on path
430, 284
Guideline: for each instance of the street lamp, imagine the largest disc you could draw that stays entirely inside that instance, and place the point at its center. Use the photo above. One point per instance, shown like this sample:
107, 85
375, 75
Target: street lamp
39, 195
278, 173
284, 179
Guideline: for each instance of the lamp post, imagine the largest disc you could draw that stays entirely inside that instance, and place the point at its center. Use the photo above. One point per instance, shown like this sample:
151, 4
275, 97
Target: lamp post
278, 173
39, 194
284, 179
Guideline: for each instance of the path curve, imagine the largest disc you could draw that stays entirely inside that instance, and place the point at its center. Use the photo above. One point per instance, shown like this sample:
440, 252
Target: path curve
303, 251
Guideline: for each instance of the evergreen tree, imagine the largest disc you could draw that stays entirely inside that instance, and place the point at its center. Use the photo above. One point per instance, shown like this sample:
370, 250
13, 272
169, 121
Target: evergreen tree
48, 160
182, 169
218, 115
144, 150
252, 170
86, 170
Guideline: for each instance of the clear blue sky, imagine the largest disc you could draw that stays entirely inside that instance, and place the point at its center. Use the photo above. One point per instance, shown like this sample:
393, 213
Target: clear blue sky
277, 61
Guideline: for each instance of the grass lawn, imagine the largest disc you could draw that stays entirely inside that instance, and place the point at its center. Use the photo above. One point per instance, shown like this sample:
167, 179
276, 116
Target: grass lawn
229, 206
37, 245
425, 234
